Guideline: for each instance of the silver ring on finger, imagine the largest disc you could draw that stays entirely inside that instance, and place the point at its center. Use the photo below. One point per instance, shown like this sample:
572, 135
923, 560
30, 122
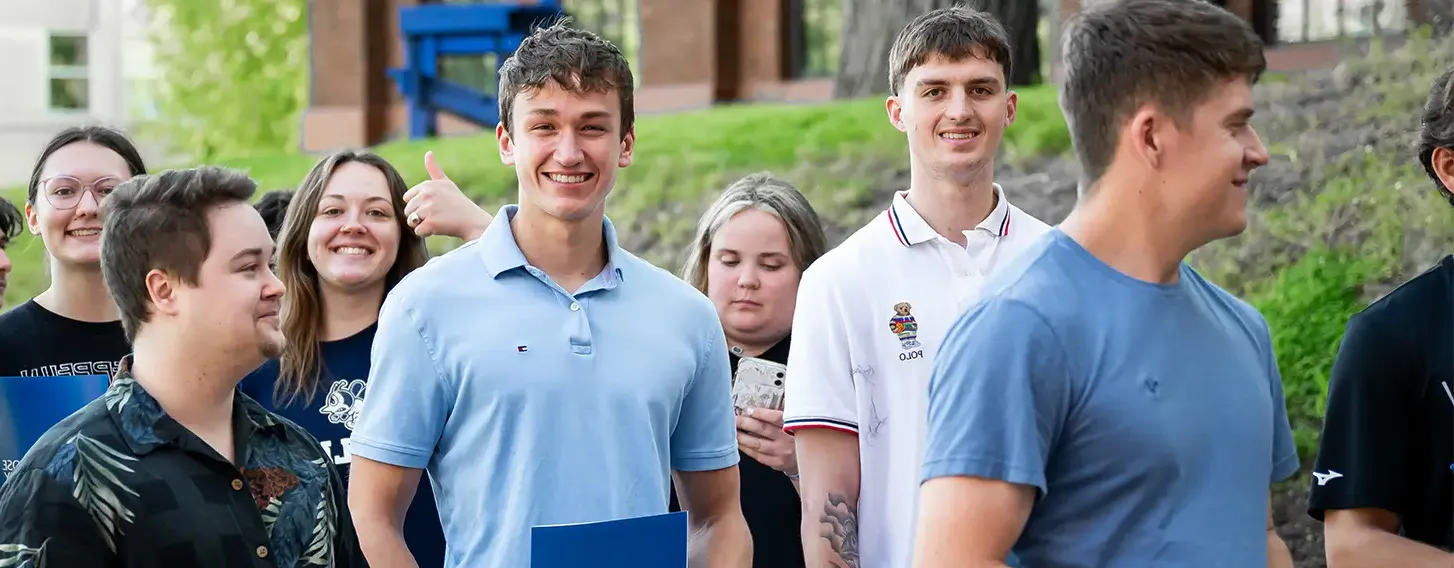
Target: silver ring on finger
414, 219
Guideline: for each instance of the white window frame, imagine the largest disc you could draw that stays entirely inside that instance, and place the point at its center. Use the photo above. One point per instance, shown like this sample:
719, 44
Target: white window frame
53, 71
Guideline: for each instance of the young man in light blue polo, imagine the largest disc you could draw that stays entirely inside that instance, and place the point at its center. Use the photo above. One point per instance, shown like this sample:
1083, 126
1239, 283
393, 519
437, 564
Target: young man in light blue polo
1103, 404
540, 373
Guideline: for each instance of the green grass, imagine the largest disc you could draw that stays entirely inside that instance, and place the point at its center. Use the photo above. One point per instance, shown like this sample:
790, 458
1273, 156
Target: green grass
681, 158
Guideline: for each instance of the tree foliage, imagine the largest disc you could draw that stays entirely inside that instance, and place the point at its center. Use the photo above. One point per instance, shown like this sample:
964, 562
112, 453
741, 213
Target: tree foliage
233, 74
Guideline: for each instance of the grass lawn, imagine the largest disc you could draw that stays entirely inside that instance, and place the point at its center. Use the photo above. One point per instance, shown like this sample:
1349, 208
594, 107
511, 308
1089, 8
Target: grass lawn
680, 158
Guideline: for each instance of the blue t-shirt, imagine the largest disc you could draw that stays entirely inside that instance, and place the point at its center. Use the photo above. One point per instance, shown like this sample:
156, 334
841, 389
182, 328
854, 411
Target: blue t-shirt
330, 417
1149, 417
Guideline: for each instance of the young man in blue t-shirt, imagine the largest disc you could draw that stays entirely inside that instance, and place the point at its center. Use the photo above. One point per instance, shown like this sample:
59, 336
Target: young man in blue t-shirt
1103, 404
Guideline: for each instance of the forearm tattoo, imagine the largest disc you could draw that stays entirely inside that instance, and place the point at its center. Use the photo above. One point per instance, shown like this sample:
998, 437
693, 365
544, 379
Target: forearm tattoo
840, 529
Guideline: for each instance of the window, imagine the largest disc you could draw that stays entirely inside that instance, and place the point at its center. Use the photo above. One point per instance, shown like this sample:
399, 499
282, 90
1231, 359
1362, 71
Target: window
68, 73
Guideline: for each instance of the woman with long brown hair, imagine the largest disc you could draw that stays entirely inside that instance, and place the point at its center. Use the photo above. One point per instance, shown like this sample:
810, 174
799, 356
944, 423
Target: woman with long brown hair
344, 244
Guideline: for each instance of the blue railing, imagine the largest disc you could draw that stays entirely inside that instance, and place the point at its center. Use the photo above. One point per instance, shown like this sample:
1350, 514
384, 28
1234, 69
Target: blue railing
432, 31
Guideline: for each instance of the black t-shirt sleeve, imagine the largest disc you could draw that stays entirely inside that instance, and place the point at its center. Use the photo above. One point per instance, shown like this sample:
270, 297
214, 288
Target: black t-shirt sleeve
1363, 452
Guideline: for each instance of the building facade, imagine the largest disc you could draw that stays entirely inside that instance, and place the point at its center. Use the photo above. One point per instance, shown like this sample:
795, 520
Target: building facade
67, 63
695, 53
699, 52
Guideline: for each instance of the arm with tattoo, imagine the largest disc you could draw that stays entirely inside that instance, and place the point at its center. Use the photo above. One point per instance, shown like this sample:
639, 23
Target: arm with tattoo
840, 528
829, 475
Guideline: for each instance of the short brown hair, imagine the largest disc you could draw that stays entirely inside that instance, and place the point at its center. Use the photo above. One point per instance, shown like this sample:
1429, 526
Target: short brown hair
1437, 127
954, 33
577, 60
1121, 54
160, 223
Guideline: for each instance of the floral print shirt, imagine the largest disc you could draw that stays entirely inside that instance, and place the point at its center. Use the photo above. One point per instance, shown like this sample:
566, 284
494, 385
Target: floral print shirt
120, 483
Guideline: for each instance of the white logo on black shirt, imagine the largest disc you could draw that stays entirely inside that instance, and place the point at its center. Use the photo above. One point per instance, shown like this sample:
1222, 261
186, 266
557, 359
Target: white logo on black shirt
344, 402
1324, 478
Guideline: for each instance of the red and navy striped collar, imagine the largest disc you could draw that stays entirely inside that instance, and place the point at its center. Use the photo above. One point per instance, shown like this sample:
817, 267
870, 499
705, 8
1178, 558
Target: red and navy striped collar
911, 229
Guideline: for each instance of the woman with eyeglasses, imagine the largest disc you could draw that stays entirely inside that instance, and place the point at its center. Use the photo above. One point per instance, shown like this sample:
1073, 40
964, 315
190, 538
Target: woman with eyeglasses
72, 328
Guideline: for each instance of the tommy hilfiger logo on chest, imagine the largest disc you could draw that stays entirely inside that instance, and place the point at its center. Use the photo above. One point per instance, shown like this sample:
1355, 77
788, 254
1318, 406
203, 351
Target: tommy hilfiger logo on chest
906, 328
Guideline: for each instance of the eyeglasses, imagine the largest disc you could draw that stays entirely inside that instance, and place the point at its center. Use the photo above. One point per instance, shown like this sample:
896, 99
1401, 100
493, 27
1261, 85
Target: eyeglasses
64, 192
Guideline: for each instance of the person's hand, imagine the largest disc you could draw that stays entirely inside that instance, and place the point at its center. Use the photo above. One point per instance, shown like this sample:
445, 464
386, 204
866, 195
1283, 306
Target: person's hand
438, 207
760, 435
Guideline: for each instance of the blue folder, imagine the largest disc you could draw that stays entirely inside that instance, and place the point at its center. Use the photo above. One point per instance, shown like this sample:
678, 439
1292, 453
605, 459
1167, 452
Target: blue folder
655, 541
31, 405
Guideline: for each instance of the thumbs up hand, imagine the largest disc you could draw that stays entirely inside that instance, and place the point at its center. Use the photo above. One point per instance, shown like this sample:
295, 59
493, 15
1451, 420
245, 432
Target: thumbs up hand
438, 207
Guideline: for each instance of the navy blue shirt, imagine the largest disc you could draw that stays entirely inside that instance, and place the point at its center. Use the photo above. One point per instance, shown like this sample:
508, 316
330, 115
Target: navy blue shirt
330, 417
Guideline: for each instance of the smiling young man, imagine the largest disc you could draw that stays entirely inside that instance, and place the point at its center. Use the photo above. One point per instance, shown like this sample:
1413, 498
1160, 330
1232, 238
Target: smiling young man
871, 313
172, 467
1382, 484
11, 223
1103, 404
542, 374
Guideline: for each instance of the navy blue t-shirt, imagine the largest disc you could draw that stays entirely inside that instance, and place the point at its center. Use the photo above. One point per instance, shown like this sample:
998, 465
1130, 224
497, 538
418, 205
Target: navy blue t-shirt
330, 418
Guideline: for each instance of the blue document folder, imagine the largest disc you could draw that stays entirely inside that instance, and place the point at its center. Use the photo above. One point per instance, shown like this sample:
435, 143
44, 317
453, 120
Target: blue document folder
655, 541
31, 405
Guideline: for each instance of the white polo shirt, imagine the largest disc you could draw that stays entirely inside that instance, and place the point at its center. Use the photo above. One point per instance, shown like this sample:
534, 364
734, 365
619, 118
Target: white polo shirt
870, 316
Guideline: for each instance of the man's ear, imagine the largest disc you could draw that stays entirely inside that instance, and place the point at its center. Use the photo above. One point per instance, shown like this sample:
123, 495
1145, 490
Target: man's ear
1146, 135
1443, 163
507, 146
895, 109
162, 291
628, 148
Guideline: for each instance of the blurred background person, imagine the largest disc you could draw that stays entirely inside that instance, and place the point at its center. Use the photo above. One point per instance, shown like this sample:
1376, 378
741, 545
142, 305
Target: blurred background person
11, 224
273, 206
750, 250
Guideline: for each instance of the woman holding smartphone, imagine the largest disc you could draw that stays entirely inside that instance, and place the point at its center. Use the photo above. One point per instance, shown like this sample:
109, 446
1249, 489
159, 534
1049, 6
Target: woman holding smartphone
749, 252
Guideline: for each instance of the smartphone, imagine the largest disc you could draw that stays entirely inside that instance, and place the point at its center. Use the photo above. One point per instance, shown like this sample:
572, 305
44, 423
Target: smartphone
758, 384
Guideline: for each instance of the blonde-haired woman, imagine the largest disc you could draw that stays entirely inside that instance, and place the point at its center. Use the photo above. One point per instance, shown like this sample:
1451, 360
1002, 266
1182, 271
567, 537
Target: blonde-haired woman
748, 254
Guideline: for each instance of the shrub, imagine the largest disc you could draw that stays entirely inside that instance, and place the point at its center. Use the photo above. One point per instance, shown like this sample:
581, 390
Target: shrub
1307, 306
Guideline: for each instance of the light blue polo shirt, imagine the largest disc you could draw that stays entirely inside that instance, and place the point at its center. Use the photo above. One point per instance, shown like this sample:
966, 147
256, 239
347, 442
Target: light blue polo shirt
532, 406
1149, 418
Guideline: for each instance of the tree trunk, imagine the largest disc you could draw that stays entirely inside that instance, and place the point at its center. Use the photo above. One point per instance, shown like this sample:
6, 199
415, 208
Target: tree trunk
1021, 19
870, 26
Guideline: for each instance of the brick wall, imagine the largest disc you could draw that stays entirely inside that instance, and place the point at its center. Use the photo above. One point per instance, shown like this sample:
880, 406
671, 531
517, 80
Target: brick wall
694, 53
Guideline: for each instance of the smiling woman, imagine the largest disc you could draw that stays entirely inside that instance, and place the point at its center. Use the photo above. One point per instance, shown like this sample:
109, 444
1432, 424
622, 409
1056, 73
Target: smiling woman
342, 246
72, 328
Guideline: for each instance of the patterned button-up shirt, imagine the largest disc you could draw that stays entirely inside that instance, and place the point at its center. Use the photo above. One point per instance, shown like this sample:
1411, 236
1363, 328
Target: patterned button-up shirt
120, 483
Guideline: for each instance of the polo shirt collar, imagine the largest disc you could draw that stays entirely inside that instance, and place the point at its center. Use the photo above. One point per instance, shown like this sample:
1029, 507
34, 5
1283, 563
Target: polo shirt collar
910, 228
502, 254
